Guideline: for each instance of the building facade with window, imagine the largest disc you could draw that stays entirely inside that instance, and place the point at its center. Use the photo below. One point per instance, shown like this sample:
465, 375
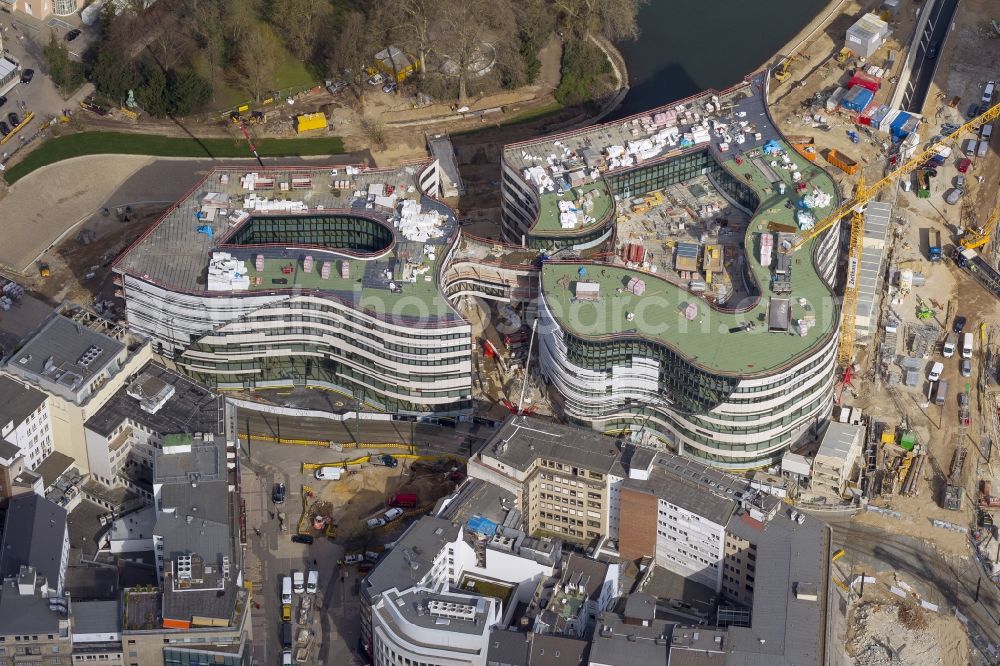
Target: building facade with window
732, 375
307, 278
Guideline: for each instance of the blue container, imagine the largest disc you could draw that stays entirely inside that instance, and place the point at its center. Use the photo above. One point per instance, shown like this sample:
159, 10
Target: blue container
857, 99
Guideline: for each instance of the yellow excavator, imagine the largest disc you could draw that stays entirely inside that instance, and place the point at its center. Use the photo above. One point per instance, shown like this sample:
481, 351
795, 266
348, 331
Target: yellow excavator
782, 71
978, 236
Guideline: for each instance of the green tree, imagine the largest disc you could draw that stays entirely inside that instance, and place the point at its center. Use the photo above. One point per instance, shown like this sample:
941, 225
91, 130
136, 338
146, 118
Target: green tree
66, 73
256, 63
188, 91
152, 93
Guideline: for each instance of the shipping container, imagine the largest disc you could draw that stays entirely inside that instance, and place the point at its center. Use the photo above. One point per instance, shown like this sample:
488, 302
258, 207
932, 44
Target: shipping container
834, 100
857, 98
842, 162
309, 121
864, 80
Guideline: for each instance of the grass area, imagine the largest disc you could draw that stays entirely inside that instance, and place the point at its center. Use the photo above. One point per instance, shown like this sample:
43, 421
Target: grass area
291, 73
487, 588
103, 143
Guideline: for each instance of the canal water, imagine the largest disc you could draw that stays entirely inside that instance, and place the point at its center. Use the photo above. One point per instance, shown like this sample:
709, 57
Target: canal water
686, 46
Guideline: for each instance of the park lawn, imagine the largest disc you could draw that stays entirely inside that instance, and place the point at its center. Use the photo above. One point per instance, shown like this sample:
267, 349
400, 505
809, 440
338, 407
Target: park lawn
98, 143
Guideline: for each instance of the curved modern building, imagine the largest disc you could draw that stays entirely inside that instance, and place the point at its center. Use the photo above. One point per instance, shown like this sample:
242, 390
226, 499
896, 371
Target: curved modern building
664, 313
321, 278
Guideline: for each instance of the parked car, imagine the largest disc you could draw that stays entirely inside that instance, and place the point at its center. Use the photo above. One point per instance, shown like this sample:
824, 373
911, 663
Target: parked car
390, 86
375, 523
4, 129
932, 50
936, 370
964, 164
13, 119
385, 460
302, 538
392, 514
73, 34
312, 582
353, 558
966, 367
329, 473
376, 80
959, 324
298, 582
960, 182
27, 75
278, 494
953, 195
3, 100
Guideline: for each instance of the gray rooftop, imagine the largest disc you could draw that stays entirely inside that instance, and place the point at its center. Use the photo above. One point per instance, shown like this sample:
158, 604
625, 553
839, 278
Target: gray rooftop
33, 536
23, 318
785, 630
478, 498
192, 407
24, 614
508, 648
693, 486
523, 439
701, 646
66, 354
186, 604
551, 650
618, 644
412, 556
17, 401
8, 451
53, 466
837, 440
412, 605
587, 573
96, 617
204, 462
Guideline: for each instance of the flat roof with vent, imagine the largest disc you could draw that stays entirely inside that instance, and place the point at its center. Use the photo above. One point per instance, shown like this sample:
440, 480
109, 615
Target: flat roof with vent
450, 612
164, 402
66, 354
521, 440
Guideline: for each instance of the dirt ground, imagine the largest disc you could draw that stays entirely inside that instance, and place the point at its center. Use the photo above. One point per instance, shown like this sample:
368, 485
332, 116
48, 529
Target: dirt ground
884, 624
365, 493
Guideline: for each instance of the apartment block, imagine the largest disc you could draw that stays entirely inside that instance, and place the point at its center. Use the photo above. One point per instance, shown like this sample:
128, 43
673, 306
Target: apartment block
34, 622
35, 535
125, 434
565, 480
79, 360
25, 434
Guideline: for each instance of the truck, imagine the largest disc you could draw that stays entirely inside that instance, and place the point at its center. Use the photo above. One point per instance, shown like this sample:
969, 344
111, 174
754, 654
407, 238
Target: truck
924, 183
934, 245
842, 162
406, 500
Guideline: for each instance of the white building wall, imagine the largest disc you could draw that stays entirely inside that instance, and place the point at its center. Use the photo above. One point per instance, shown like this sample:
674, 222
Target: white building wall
690, 545
33, 436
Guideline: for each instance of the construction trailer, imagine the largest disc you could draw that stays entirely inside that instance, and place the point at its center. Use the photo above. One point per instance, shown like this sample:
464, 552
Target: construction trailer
307, 122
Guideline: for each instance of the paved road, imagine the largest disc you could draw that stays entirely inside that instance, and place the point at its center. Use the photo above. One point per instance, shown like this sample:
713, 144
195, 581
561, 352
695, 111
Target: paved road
938, 26
271, 555
951, 581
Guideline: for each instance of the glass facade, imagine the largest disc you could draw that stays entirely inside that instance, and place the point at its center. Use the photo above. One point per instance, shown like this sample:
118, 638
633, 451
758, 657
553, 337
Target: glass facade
183, 657
419, 370
63, 7
346, 232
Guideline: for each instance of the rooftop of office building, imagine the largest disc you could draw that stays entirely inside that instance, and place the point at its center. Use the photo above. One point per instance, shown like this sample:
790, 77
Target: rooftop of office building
522, 440
443, 611
163, 402
595, 301
33, 536
66, 353
27, 613
367, 237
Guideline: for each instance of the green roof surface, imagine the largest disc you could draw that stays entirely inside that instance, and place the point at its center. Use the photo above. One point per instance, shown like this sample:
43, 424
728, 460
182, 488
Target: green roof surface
548, 207
707, 339
414, 299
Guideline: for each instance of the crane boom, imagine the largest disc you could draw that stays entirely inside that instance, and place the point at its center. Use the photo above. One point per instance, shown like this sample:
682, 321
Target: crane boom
864, 195
977, 237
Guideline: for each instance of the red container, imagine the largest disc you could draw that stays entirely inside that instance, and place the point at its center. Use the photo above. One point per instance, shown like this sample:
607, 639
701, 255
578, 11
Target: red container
864, 80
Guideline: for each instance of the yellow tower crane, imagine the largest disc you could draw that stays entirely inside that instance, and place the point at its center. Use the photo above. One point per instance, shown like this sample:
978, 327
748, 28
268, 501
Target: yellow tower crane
978, 236
864, 193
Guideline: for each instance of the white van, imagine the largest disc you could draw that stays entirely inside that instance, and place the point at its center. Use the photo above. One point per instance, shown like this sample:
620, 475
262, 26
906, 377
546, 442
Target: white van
967, 345
312, 583
298, 582
948, 348
985, 132
393, 514
988, 91
286, 589
936, 370
329, 473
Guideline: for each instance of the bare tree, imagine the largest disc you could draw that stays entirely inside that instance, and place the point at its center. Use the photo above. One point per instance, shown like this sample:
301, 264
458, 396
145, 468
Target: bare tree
353, 47
256, 63
240, 17
412, 24
614, 19
469, 28
298, 22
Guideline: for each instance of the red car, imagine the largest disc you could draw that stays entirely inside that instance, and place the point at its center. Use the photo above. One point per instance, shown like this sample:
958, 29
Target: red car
964, 164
